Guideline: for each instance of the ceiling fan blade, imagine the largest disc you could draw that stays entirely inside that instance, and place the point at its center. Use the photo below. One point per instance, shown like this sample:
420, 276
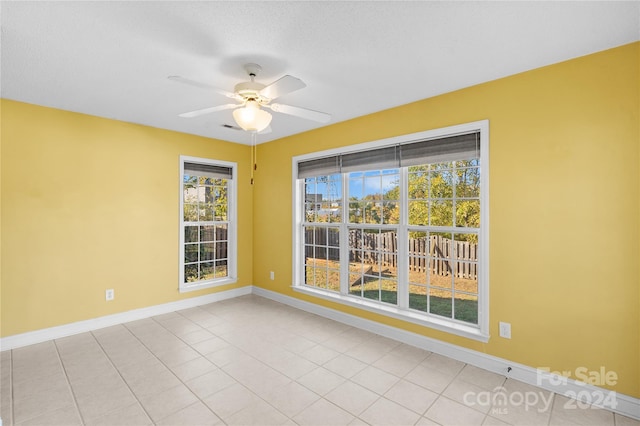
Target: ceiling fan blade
309, 114
204, 111
201, 85
282, 86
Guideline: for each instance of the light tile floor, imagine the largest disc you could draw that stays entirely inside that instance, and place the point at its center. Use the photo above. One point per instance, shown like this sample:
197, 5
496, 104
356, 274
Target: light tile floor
254, 361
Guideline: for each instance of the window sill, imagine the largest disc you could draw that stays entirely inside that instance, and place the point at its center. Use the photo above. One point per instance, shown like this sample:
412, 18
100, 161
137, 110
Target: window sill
185, 288
447, 326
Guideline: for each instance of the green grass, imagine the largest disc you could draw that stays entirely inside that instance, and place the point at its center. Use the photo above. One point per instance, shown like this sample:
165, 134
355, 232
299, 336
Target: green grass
466, 310
466, 305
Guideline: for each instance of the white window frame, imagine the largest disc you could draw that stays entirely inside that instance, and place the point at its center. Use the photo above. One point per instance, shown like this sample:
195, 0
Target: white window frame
232, 215
478, 332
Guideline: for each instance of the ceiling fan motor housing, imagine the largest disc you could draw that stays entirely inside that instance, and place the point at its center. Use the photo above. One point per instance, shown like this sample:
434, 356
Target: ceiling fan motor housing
250, 90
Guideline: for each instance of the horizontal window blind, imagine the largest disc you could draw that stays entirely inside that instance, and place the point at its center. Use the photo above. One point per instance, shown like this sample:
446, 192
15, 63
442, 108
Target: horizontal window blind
380, 158
458, 147
208, 170
319, 167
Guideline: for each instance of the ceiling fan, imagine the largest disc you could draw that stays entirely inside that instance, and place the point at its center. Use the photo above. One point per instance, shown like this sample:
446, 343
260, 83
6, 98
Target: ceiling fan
253, 97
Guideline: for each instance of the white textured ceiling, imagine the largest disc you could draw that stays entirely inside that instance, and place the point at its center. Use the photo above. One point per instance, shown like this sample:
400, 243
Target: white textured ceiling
112, 59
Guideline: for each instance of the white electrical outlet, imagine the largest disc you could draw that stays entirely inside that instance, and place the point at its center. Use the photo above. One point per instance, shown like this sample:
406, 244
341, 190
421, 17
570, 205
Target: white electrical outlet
272, 275
505, 330
109, 294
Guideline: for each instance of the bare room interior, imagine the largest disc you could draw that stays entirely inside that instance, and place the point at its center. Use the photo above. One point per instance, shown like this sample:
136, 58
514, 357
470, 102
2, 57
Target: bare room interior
320, 213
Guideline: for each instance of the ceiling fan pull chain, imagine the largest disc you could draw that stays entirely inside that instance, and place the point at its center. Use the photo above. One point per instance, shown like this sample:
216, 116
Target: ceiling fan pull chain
253, 155
255, 151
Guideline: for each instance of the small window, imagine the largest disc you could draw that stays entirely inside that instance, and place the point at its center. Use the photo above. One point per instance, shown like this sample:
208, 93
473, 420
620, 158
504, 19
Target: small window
207, 223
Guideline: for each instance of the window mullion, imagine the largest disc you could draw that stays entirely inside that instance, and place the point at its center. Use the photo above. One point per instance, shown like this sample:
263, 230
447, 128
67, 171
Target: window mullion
403, 243
344, 237
299, 220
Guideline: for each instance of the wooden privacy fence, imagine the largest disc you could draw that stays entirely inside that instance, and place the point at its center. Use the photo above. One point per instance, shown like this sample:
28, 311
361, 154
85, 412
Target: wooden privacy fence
217, 234
434, 253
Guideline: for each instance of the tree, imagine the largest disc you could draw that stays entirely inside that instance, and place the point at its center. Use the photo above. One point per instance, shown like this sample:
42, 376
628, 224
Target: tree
431, 193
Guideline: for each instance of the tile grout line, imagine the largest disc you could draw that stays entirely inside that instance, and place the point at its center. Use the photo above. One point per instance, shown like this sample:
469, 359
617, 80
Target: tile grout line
220, 368
553, 404
455, 377
268, 366
171, 371
66, 377
120, 375
293, 380
281, 327
380, 396
358, 384
11, 406
347, 379
441, 394
321, 397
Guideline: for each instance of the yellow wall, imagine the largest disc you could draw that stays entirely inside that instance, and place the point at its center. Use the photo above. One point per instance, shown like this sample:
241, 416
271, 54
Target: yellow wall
564, 207
90, 204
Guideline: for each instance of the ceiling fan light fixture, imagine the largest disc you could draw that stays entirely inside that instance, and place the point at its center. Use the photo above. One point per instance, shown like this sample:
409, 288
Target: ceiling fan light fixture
251, 118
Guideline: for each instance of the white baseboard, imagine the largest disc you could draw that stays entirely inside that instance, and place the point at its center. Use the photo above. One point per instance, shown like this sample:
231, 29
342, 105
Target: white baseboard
620, 403
38, 336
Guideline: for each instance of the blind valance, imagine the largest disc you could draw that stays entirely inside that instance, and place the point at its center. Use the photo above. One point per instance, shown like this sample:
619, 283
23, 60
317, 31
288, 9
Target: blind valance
458, 147
208, 170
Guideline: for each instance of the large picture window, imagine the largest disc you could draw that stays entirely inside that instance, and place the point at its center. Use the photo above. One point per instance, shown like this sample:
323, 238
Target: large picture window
207, 223
399, 227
